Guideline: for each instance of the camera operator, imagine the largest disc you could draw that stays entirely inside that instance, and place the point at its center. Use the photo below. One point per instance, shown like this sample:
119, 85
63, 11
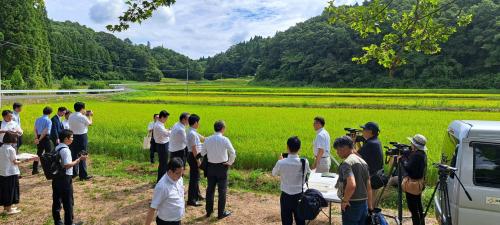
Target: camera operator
414, 164
371, 152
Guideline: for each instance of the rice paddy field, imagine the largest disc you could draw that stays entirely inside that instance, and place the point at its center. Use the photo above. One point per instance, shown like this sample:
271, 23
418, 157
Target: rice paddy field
260, 119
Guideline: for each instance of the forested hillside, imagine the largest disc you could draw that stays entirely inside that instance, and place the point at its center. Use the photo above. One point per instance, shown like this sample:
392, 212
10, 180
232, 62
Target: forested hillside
35, 50
315, 52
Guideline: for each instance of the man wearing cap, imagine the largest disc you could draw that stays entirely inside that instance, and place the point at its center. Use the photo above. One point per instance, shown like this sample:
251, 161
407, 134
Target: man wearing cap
371, 152
415, 165
321, 147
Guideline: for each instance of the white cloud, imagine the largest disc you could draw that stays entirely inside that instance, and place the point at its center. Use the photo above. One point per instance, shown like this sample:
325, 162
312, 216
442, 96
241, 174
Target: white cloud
196, 27
106, 11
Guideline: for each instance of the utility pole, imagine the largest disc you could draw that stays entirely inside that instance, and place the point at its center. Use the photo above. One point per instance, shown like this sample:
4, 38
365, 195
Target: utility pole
187, 81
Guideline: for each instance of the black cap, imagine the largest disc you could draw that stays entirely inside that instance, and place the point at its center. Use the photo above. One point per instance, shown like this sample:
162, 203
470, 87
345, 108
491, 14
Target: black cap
371, 126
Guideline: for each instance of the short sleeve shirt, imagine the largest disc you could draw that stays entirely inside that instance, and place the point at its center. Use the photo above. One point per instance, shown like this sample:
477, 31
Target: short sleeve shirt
7, 156
78, 123
193, 139
322, 141
357, 167
65, 157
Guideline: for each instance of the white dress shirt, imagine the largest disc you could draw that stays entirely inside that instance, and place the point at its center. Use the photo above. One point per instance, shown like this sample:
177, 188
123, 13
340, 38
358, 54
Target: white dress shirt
65, 124
78, 123
218, 149
151, 126
7, 156
322, 141
168, 199
193, 139
178, 139
16, 117
9, 126
66, 159
290, 171
160, 133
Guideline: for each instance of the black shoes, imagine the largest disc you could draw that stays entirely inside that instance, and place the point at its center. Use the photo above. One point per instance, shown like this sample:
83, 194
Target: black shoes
35, 172
195, 204
200, 198
224, 215
86, 178
208, 214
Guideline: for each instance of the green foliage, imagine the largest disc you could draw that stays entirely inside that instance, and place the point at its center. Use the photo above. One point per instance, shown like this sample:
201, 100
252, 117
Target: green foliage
67, 83
16, 80
418, 26
99, 85
25, 23
137, 12
6, 85
317, 53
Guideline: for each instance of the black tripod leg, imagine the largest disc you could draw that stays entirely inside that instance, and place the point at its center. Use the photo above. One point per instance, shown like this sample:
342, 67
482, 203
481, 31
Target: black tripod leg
431, 200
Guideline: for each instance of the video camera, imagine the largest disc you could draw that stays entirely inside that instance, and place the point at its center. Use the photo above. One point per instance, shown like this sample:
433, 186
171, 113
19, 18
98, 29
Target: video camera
397, 149
357, 132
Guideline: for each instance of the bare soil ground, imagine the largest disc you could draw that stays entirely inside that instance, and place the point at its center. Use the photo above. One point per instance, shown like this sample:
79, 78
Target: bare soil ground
107, 200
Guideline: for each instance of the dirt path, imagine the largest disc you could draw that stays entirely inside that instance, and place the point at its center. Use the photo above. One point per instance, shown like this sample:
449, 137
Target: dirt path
118, 201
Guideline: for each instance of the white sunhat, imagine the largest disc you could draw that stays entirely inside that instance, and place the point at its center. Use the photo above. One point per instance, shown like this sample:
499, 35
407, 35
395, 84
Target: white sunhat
419, 141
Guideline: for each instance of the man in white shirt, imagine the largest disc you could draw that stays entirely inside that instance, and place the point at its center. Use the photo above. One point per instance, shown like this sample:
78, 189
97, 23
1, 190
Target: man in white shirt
16, 116
79, 121
321, 147
168, 197
194, 149
62, 186
8, 124
152, 148
220, 155
178, 142
292, 181
162, 137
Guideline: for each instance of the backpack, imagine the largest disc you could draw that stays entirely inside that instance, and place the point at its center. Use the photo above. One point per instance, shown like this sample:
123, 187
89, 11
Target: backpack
52, 164
311, 201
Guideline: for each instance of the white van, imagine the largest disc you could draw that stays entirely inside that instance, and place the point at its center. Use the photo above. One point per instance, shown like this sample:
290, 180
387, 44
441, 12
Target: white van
473, 147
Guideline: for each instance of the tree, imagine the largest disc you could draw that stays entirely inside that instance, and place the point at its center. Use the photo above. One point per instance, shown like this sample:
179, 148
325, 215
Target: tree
26, 47
67, 83
16, 81
137, 12
413, 26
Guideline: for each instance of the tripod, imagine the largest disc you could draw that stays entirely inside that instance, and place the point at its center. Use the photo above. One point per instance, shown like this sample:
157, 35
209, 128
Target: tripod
395, 165
444, 199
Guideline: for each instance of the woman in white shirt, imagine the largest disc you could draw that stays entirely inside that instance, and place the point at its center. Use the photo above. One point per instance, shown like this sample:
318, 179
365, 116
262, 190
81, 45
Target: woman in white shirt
66, 117
9, 174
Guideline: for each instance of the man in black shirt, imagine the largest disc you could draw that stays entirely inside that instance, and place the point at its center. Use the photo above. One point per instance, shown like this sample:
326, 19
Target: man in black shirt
371, 152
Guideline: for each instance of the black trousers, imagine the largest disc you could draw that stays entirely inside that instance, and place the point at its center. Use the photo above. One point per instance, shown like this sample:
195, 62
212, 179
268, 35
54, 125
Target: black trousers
79, 144
162, 150
216, 176
194, 179
9, 190
288, 205
161, 222
62, 193
416, 208
19, 143
179, 154
44, 145
152, 150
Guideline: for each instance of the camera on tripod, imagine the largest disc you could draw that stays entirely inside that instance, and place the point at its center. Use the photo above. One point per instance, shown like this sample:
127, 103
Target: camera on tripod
355, 132
397, 149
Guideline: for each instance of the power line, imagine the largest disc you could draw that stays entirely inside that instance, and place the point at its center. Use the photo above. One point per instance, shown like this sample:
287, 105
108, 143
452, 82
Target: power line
85, 60
7, 43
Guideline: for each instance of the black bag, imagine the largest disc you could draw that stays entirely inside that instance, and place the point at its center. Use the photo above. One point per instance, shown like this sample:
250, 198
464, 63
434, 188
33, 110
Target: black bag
52, 164
204, 164
379, 179
311, 202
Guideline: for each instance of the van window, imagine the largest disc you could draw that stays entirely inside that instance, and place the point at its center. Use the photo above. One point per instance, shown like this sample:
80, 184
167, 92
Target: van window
486, 164
449, 150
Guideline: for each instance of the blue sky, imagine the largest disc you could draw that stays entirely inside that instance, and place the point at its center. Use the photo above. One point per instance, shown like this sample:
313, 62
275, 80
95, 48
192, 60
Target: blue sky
195, 28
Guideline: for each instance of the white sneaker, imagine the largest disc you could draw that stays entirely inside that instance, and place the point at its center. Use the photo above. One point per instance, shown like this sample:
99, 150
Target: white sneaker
13, 211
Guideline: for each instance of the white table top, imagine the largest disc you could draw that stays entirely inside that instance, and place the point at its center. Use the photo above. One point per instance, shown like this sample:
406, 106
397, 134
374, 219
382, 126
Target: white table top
25, 156
326, 185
